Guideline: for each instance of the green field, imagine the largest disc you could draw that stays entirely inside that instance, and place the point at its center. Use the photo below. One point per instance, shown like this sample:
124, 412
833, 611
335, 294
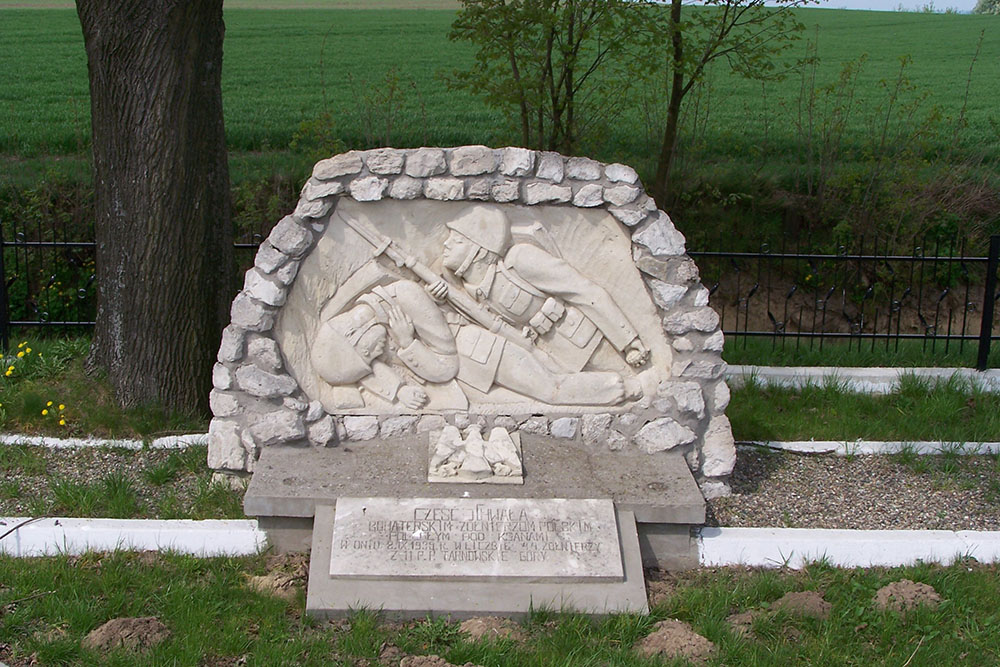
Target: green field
283, 67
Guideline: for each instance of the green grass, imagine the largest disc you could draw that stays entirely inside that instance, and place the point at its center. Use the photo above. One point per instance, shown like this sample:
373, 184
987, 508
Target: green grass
214, 617
283, 67
954, 410
804, 352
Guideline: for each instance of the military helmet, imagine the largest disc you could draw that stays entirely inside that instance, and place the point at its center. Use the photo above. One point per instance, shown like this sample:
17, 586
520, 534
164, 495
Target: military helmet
485, 226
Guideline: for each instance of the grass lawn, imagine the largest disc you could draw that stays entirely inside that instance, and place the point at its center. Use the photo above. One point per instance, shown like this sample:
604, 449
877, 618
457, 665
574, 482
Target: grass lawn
288, 66
216, 617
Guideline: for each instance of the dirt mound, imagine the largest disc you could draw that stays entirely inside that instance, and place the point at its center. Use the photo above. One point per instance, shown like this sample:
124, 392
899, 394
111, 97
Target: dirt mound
804, 603
133, 634
285, 574
742, 623
675, 639
491, 627
904, 595
660, 586
429, 661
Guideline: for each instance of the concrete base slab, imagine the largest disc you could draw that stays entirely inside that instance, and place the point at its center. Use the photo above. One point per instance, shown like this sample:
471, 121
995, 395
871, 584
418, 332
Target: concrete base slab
292, 481
330, 598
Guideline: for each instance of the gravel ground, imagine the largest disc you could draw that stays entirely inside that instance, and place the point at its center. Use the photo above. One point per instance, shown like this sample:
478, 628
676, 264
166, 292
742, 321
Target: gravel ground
26, 486
771, 489
778, 489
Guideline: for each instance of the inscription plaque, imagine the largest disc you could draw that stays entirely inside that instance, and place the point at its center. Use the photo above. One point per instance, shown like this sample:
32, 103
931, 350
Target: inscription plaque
476, 539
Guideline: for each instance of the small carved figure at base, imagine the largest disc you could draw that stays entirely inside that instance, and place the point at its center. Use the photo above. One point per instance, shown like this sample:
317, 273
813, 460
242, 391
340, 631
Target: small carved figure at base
473, 459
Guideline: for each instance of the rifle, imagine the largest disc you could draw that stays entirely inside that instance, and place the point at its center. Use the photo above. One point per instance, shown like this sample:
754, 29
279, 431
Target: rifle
459, 299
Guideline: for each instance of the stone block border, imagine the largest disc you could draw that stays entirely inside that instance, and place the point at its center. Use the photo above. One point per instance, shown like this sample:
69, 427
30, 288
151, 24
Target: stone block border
256, 403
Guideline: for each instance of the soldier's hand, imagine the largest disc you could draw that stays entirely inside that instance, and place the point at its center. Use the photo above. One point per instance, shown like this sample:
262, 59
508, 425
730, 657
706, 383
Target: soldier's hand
412, 396
438, 290
636, 353
400, 326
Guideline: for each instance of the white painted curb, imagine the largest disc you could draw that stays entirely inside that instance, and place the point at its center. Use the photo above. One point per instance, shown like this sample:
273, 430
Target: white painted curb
797, 547
51, 536
864, 447
167, 442
863, 380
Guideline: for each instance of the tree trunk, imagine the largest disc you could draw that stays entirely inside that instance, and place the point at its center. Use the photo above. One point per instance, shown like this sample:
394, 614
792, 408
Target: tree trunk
161, 180
661, 184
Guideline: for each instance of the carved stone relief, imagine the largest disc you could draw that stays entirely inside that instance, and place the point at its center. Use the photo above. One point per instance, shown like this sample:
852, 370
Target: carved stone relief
473, 288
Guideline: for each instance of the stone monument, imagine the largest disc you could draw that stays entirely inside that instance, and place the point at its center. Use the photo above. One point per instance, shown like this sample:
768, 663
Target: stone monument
500, 324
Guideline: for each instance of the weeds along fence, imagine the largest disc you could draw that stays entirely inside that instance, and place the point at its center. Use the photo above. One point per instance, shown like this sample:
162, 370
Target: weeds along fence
868, 296
50, 281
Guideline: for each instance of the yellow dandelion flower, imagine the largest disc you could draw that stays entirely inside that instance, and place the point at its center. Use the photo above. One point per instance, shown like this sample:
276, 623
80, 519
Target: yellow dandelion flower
27, 350
62, 407
62, 422
11, 367
45, 412
49, 404
8, 373
20, 354
22, 344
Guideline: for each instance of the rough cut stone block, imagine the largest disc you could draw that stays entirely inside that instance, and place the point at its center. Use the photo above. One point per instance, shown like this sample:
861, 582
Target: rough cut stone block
222, 378
312, 209
703, 370
503, 421
686, 271
473, 161
385, 160
280, 426
314, 190
662, 434
429, 423
620, 173
595, 428
621, 194
589, 195
322, 431
286, 274
628, 215
295, 404
544, 193
337, 166
361, 428
660, 236
719, 450
564, 427
699, 296
714, 343
231, 346
722, 396
369, 188
290, 237
516, 161
712, 489
406, 187
687, 396
583, 169
225, 449
392, 427
425, 162
551, 167
223, 403
536, 426
269, 258
444, 189
262, 289
616, 441
258, 382
314, 411
699, 319
682, 344
479, 189
665, 295
506, 191
264, 352
250, 314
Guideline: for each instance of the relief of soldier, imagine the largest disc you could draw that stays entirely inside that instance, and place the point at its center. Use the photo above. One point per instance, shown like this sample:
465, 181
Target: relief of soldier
517, 316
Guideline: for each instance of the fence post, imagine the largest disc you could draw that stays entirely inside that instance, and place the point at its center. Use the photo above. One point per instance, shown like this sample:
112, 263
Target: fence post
4, 310
989, 296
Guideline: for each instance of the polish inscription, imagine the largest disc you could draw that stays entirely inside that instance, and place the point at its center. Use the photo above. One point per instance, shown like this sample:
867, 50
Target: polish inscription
476, 539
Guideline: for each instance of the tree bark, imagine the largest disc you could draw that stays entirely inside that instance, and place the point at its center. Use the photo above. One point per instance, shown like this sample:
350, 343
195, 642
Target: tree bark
661, 184
161, 180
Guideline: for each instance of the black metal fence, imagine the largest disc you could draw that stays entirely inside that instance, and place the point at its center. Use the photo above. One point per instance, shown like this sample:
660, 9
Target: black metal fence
937, 294
866, 296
